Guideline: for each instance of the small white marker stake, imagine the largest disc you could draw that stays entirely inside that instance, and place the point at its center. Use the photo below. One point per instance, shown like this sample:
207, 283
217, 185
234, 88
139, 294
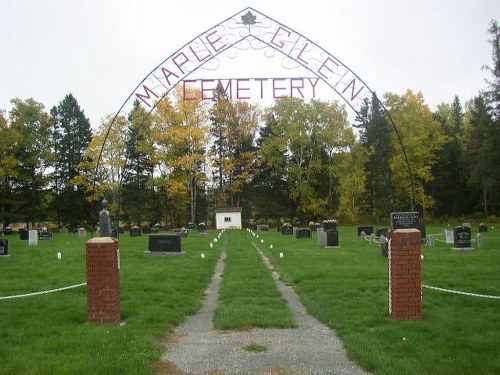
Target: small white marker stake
270, 246
281, 255
59, 255
202, 256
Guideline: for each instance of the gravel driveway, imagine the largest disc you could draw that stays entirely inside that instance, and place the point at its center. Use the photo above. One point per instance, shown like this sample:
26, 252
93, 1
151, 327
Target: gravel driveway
311, 348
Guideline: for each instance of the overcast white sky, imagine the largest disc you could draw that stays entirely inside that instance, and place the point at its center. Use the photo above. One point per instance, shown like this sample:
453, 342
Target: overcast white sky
99, 50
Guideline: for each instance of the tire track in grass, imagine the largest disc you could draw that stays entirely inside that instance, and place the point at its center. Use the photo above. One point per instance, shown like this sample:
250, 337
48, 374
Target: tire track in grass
248, 296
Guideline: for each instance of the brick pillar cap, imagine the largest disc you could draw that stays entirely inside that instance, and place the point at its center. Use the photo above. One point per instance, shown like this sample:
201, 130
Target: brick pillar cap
408, 230
102, 240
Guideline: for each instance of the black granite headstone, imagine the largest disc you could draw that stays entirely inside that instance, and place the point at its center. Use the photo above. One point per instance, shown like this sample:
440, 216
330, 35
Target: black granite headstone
44, 235
303, 233
135, 232
165, 243
332, 237
404, 220
368, 229
462, 237
4, 247
483, 227
287, 231
24, 234
382, 232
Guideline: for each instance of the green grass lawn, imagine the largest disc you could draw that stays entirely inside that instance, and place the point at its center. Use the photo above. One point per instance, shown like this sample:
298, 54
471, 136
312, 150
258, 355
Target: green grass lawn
49, 334
345, 288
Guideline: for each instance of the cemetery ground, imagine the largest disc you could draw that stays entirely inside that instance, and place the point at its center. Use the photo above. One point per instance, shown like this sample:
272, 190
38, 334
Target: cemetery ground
344, 288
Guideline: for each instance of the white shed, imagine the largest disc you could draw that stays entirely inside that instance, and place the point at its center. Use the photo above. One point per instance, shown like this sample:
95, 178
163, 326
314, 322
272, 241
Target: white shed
228, 218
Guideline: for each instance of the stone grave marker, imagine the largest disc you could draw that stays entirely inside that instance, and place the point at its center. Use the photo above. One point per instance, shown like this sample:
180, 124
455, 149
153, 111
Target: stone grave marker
483, 227
4, 247
202, 228
479, 240
303, 233
287, 230
332, 238
262, 227
135, 231
430, 240
382, 232
321, 237
44, 235
82, 232
448, 236
33, 238
63, 231
367, 229
462, 238
7, 231
164, 245
384, 246
23, 234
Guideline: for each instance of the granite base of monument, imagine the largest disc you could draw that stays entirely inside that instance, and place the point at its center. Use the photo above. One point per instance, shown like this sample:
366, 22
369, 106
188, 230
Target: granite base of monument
164, 253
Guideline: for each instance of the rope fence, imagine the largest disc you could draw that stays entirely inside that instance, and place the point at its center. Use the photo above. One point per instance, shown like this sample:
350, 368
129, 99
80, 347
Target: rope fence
43, 292
459, 292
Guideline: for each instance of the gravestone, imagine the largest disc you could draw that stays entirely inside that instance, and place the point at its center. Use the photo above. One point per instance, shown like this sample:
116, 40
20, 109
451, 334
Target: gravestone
33, 238
384, 246
181, 232
483, 228
190, 226
329, 224
104, 221
262, 227
431, 240
368, 229
321, 237
479, 240
448, 236
462, 238
467, 225
146, 230
202, 228
382, 232
164, 244
4, 247
44, 235
82, 232
287, 231
404, 220
7, 230
23, 234
303, 233
332, 238
63, 231
135, 231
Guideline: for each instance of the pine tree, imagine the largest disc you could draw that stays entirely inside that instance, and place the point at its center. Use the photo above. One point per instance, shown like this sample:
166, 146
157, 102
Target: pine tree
136, 195
71, 134
375, 138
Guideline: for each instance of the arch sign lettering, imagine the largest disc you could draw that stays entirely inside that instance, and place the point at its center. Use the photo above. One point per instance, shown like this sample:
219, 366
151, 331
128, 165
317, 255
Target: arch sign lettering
250, 29
246, 29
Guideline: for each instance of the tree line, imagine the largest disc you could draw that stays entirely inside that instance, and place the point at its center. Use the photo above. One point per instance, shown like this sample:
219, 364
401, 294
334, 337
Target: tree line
295, 160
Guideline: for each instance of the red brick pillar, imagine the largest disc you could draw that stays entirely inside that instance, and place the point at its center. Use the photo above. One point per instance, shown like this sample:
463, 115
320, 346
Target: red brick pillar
103, 281
405, 275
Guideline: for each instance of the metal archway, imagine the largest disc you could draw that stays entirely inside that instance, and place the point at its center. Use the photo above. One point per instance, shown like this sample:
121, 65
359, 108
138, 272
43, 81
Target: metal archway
252, 29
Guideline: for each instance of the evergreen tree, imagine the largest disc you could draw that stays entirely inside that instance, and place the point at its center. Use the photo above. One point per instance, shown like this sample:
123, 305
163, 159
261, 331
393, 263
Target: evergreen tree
136, 194
482, 147
71, 136
493, 94
375, 138
449, 187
